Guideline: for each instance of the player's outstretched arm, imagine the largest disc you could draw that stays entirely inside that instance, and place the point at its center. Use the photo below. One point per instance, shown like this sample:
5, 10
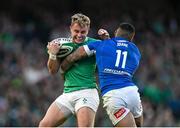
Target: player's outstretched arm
53, 63
73, 57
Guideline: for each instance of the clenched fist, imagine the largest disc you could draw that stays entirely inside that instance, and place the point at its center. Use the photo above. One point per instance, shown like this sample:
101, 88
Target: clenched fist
103, 34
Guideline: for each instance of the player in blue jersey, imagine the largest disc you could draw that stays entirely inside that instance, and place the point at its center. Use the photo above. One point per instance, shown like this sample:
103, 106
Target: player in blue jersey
117, 60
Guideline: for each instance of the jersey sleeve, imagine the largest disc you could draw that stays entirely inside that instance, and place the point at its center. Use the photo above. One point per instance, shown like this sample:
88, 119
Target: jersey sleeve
91, 47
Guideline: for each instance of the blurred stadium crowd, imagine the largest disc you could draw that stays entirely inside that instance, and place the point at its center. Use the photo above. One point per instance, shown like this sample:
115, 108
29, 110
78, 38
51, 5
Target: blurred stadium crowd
27, 89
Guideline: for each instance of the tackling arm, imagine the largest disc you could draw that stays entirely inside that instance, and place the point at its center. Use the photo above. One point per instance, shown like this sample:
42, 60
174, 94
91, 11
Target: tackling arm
70, 59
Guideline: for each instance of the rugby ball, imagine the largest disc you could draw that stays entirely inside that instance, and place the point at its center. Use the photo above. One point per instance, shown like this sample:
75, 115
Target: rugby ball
66, 47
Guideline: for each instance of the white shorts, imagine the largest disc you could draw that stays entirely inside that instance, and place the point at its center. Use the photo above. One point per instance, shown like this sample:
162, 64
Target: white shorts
120, 102
73, 101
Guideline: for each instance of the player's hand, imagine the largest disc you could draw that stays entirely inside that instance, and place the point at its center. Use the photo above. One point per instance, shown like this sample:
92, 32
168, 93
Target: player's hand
53, 47
103, 34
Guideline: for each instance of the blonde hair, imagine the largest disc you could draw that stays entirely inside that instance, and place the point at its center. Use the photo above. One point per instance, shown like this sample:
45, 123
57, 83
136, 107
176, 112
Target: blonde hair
81, 19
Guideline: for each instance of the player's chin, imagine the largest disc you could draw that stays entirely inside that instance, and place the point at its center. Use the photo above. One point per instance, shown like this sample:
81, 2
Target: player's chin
78, 40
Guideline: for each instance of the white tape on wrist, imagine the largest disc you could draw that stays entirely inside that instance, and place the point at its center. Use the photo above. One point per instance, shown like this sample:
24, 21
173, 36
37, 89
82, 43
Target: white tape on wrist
52, 56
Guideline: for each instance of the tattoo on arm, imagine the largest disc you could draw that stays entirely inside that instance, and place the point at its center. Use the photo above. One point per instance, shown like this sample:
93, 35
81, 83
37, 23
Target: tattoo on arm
73, 57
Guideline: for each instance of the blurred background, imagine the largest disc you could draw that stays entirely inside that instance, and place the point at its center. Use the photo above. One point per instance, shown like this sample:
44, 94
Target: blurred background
26, 87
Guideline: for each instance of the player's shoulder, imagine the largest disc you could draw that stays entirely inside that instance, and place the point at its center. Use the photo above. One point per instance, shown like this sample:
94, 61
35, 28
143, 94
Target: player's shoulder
135, 48
133, 45
90, 39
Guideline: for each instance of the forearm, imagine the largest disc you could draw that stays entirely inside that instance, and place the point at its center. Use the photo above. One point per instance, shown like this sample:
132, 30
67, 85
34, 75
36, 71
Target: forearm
53, 66
69, 60
53, 62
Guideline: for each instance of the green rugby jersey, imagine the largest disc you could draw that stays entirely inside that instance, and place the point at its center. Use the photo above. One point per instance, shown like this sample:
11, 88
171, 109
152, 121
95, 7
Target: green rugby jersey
82, 74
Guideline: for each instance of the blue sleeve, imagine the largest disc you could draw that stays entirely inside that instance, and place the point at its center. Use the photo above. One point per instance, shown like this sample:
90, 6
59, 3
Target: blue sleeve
93, 45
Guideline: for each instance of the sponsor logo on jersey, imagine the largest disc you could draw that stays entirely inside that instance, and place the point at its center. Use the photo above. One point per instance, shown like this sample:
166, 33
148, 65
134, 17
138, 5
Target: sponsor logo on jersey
120, 112
119, 72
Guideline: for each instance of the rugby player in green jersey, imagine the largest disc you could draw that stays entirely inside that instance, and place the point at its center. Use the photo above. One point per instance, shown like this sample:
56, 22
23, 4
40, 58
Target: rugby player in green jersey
80, 96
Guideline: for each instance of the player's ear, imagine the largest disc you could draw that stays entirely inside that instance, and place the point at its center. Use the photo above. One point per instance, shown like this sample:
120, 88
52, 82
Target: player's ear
70, 28
88, 30
115, 32
132, 36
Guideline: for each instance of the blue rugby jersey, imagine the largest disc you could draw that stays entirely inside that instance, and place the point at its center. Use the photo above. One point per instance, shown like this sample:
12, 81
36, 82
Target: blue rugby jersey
117, 60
